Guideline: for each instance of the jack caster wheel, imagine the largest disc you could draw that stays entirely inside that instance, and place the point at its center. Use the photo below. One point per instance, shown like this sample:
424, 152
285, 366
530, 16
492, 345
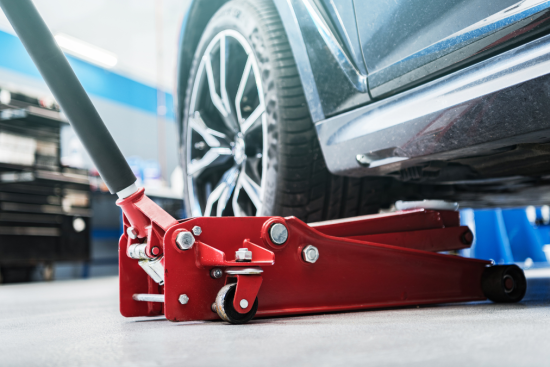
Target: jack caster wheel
225, 309
504, 283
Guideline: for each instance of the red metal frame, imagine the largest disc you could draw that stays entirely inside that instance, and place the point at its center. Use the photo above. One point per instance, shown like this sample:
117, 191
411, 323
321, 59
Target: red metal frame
248, 287
150, 223
366, 262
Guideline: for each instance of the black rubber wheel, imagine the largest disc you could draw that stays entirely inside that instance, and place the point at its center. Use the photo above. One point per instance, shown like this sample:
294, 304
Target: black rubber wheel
226, 311
504, 283
294, 179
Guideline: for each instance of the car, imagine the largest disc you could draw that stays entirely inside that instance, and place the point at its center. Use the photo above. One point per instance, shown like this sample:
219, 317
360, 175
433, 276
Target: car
326, 109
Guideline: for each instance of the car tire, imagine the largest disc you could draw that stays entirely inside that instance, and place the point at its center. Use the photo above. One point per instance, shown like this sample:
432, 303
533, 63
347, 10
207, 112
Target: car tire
295, 181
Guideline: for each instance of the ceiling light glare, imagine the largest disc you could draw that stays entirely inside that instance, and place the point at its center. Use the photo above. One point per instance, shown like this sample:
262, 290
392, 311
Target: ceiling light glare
86, 51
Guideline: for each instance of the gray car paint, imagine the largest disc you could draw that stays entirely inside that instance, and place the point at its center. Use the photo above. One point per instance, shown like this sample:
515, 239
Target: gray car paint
407, 41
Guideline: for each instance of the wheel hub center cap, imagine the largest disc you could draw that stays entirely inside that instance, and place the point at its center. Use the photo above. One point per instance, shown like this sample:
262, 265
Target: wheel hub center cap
238, 149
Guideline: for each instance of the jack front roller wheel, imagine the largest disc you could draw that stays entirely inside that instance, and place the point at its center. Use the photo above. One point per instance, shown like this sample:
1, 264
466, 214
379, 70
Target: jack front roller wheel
225, 309
504, 283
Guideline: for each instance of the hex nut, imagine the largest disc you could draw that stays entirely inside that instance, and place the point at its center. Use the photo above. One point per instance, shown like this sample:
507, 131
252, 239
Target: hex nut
183, 299
278, 233
185, 240
310, 254
197, 230
216, 273
243, 254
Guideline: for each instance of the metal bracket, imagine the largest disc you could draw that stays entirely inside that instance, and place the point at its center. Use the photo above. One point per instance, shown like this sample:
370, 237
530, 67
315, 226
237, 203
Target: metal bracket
154, 268
247, 290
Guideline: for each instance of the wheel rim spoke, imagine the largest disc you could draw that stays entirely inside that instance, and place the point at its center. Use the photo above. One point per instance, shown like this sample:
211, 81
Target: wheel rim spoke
242, 85
223, 64
216, 100
251, 188
236, 207
196, 166
226, 194
210, 136
222, 192
255, 119
252, 168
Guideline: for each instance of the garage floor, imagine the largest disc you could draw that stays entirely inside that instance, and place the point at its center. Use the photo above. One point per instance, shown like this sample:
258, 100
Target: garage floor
76, 323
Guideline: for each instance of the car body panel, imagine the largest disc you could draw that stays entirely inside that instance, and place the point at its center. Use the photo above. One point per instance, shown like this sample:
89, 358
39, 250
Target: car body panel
408, 41
341, 14
338, 80
499, 102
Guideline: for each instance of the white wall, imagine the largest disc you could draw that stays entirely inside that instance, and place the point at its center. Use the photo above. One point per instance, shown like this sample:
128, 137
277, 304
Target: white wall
125, 27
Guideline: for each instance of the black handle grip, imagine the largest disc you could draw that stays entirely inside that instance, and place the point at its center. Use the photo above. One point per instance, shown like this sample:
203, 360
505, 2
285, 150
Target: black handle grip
69, 93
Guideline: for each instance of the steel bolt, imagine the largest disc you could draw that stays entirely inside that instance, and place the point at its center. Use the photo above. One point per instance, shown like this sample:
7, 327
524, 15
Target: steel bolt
214, 307
197, 230
278, 233
467, 237
132, 233
155, 251
310, 254
243, 255
137, 251
183, 299
243, 303
185, 240
363, 160
216, 273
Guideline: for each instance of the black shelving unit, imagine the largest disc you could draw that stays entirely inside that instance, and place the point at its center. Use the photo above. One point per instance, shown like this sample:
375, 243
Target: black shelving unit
44, 207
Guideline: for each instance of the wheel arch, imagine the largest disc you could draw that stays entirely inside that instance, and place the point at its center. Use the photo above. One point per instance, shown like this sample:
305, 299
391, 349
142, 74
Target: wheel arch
193, 25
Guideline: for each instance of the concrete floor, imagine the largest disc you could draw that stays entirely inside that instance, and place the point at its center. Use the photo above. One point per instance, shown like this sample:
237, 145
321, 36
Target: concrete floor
76, 323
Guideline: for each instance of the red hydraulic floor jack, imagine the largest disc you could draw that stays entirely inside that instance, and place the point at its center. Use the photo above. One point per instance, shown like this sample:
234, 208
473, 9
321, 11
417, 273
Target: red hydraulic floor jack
236, 268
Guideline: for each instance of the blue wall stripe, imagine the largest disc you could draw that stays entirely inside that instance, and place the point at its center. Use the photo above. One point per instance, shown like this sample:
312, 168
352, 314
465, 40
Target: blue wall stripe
106, 234
96, 80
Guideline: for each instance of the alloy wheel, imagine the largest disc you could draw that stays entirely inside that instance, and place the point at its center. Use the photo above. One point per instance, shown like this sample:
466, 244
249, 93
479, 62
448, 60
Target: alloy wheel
226, 131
